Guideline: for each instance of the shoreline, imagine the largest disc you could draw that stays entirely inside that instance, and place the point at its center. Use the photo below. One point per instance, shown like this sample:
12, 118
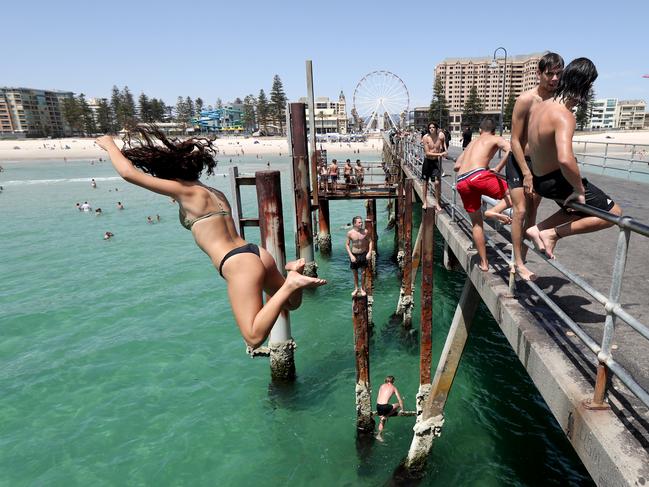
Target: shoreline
77, 148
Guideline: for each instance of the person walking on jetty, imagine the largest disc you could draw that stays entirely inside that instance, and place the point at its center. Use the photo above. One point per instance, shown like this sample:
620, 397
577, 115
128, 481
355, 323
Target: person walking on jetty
383, 407
433, 142
475, 179
359, 247
555, 171
173, 168
519, 176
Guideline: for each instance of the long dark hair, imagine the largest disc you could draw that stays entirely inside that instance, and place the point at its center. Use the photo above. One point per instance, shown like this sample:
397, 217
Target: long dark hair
577, 80
149, 149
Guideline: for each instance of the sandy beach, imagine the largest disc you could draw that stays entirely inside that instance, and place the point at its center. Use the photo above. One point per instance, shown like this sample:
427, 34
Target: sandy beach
85, 148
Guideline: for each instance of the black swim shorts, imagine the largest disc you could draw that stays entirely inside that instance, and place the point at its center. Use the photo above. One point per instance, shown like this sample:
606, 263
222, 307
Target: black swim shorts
514, 173
384, 409
361, 261
432, 169
554, 186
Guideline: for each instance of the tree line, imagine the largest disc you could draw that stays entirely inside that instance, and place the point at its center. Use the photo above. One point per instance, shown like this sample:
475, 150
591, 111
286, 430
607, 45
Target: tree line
121, 110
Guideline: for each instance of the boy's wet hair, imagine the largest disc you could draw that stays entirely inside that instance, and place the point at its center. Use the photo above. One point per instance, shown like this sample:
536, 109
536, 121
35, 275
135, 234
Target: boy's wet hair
389, 379
550, 60
577, 80
488, 125
357, 218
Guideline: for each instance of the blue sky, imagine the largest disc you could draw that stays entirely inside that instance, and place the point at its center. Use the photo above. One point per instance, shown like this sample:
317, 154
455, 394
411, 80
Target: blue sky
229, 49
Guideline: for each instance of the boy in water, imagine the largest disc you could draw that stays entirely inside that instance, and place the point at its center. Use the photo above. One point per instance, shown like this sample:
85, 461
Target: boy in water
383, 407
475, 179
359, 252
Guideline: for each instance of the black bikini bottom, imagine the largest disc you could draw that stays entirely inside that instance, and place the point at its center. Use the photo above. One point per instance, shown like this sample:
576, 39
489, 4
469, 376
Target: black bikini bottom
244, 249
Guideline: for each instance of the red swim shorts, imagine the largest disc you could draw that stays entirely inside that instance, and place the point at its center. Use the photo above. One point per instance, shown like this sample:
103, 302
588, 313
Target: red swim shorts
474, 184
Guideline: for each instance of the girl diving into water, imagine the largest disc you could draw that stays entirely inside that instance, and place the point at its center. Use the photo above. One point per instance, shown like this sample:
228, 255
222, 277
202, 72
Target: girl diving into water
172, 168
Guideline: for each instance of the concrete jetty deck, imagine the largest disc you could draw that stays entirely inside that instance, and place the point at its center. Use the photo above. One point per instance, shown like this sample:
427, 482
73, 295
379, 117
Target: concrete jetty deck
613, 443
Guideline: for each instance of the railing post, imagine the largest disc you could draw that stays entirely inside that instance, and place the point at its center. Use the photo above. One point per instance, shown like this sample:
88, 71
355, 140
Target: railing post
609, 324
271, 227
631, 161
605, 158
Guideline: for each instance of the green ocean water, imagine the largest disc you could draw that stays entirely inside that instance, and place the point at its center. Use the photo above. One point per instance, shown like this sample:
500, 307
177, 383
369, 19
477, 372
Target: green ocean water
120, 363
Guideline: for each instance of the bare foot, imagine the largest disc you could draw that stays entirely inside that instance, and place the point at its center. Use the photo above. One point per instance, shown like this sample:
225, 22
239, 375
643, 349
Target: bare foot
484, 266
525, 273
295, 265
534, 235
361, 292
354, 292
299, 281
438, 209
549, 238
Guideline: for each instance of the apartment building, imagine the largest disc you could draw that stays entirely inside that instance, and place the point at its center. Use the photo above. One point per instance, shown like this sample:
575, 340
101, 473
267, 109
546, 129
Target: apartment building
603, 114
630, 114
459, 75
33, 112
330, 116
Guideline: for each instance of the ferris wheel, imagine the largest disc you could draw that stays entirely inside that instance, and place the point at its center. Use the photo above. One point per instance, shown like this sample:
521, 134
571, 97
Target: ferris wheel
381, 98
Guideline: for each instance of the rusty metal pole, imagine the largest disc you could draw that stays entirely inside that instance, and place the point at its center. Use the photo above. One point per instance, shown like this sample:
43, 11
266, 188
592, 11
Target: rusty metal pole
430, 422
364, 421
271, 227
312, 140
404, 307
303, 230
427, 287
368, 275
324, 235
370, 206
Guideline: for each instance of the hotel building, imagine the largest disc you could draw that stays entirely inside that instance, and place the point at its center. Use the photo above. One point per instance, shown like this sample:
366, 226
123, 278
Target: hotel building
459, 75
27, 112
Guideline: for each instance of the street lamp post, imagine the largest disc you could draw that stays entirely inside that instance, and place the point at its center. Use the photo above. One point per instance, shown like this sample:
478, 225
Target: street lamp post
502, 98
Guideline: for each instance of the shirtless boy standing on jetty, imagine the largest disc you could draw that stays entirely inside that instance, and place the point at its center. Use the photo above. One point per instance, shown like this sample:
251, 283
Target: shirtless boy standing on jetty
434, 150
519, 178
475, 179
555, 172
359, 252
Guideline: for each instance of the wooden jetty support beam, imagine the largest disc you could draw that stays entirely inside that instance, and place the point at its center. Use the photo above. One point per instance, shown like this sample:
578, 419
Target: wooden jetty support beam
324, 234
426, 317
431, 420
364, 420
404, 307
368, 275
271, 226
370, 206
301, 186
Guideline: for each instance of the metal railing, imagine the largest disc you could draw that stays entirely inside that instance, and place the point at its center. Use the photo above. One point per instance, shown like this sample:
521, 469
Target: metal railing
630, 161
411, 155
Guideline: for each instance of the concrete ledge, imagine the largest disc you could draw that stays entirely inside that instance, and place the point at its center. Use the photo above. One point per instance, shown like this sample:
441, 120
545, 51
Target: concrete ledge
612, 455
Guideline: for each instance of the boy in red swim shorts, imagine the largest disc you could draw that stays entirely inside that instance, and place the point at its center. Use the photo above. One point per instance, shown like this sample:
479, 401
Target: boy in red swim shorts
475, 179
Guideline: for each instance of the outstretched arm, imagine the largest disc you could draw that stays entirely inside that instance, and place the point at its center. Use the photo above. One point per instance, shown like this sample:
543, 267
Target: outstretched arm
126, 170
